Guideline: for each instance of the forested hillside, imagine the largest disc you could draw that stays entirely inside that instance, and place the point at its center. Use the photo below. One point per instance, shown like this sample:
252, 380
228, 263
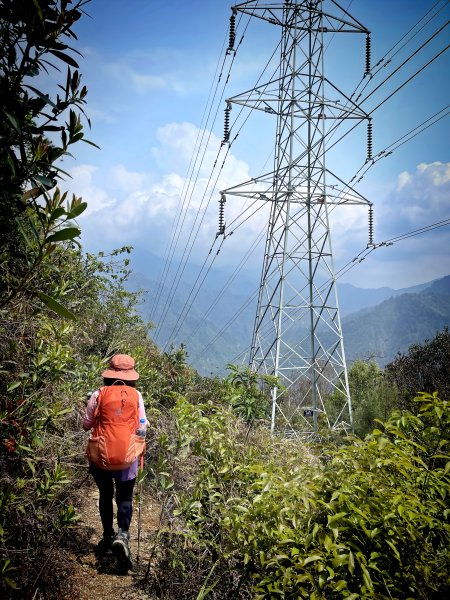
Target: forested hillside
240, 512
386, 321
392, 326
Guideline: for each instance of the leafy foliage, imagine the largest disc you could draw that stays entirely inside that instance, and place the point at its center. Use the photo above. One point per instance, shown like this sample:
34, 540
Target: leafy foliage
49, 365
371, 521
425, 367
246, 392
37, 130
373, 396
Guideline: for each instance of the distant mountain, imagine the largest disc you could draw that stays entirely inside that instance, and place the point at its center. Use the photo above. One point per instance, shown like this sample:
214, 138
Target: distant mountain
211, 341
377, 323
393, 325
353, 299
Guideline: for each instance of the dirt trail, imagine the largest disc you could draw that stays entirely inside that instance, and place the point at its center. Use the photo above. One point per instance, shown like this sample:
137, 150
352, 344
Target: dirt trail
97, 578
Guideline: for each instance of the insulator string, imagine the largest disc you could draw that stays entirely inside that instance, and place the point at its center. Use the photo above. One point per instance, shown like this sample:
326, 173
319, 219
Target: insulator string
221, 230
370, 226
369, 139
368, 55
226, 124
232, 37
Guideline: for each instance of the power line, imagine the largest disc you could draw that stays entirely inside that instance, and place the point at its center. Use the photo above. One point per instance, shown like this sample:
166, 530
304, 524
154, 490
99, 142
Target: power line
187, 253
410, 78
370, 250
179, 274
181, 265
192, 185
382, 63
422, 68
230, 280
351, 264
188, 178
370, 113
435, 34
198, 142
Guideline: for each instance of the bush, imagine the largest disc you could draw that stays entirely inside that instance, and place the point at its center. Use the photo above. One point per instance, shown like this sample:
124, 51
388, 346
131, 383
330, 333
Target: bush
425, 367
370, 522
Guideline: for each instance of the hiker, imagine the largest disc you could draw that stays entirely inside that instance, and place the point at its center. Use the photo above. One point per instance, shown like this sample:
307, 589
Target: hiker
113, 415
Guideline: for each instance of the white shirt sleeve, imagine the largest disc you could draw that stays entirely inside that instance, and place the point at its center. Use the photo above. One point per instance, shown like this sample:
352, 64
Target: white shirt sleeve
88, 419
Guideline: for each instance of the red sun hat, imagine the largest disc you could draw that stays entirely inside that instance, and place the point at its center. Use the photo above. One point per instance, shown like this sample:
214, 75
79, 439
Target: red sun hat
121, 366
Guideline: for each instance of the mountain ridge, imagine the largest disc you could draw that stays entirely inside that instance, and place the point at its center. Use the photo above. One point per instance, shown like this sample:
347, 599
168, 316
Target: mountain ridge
377, 323
396, 323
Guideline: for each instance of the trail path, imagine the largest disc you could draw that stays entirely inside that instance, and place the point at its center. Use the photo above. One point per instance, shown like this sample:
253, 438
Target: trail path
97, 578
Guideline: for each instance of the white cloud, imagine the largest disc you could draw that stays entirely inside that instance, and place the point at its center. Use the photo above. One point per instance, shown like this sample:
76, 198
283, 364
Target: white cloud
141, 208
420, 198
128, 207
403, 180
97, 114
82, 184
140, 81
127, 181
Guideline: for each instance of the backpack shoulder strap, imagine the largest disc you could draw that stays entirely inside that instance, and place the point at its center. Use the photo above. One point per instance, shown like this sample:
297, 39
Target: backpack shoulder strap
99, 399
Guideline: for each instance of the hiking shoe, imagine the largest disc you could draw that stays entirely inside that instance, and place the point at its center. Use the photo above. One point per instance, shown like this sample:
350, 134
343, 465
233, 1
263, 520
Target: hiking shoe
104, 547
122, 551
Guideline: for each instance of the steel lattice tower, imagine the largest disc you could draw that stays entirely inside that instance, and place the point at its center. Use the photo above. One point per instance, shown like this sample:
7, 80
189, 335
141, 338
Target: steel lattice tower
297, 332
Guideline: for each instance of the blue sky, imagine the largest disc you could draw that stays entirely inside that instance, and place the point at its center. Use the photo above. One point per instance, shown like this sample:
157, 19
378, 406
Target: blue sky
150, 66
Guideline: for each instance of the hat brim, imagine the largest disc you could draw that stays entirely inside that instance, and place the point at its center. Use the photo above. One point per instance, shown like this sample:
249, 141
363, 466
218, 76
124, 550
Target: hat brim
128, 375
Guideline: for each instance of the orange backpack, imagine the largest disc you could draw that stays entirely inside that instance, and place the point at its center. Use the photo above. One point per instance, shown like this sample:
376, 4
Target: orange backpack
114, 444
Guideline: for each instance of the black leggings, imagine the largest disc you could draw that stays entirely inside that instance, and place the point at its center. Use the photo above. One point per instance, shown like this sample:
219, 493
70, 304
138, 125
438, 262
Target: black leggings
124, 500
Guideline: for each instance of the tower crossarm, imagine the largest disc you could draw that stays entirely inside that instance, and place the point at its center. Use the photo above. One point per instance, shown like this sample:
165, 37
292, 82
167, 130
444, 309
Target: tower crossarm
286, 15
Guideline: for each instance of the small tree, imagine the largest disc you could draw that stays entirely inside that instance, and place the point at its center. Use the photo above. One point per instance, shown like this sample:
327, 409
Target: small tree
373, 396
245, 392
37, 129
425, 368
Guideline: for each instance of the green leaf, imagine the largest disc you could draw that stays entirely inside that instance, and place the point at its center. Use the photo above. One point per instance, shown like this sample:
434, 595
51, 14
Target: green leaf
13, 121
351, 562
336, 517
64, 57
312, 558
55, 306
57, 213
68, 233
64, 411
340, 585
91, 143
44, 181
13, 386
44, 97
77, 210
10, 582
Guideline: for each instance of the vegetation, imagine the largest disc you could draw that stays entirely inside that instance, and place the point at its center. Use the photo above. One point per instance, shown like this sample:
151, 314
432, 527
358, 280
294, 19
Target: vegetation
37, 130
268, 520
244, 514
373, 396
426, 367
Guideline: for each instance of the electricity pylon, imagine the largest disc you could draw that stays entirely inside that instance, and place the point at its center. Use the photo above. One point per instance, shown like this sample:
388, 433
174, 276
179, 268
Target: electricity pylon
297, 333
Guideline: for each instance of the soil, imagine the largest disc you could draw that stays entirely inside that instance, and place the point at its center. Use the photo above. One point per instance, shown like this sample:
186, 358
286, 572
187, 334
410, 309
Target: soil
95, 578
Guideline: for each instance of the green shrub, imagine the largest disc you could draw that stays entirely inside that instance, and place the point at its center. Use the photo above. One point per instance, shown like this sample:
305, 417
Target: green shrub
371, 522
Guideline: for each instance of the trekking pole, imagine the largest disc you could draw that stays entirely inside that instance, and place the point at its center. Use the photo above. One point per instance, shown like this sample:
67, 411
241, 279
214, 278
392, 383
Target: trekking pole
141, 467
